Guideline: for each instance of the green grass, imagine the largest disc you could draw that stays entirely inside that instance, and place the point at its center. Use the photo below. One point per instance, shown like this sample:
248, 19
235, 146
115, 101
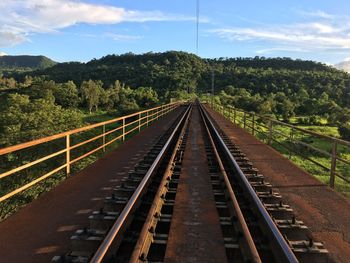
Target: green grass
97, 117
298, 157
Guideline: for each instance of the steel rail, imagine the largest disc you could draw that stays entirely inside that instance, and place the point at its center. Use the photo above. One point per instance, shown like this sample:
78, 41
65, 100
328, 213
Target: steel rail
252, 254
117, 226
286, 254
141, 244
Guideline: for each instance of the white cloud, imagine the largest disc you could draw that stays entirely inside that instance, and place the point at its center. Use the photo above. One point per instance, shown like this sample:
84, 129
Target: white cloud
8, 38
327, 33
2, 54
20, 18
123, 37
279, 49
317, 13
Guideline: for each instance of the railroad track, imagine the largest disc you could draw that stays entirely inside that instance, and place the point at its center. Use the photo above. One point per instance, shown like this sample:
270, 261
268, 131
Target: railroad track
265, 228
134, 224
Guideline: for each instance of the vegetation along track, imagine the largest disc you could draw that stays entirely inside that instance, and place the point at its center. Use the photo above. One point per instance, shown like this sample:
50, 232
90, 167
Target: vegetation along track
136, 221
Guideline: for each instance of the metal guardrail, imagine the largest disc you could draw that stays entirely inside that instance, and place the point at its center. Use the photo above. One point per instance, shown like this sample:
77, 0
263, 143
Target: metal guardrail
272, 130
123, 126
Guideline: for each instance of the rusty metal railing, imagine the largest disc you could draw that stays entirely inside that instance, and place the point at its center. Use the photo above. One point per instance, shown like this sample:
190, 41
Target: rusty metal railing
336, 152
119, 129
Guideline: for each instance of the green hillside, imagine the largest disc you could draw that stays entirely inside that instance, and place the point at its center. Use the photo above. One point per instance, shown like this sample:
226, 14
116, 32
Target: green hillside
179, 70
25, 62
119, 84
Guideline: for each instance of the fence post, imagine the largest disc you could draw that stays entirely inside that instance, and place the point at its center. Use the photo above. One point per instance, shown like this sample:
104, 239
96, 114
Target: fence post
123, 129
147, 119
68, 154
291, 138
253, 122
234, 115
270, 132
140, 121
104, 137
244, 119
333, 164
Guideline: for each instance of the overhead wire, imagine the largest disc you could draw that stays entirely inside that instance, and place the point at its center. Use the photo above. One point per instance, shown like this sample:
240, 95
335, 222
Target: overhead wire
197, 24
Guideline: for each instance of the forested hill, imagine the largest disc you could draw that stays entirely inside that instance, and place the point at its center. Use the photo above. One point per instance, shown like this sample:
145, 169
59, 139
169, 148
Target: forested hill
183, 71
275, 63
129, 82
25, 62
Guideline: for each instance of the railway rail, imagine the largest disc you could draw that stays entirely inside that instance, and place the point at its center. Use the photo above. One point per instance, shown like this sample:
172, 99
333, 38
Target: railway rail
135, 222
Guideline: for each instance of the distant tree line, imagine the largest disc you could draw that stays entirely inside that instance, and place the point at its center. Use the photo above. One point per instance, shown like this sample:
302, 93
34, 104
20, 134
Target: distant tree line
279, 86
37, 107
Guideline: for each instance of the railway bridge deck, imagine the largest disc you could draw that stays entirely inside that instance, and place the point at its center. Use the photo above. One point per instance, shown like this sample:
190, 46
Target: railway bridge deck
193, 206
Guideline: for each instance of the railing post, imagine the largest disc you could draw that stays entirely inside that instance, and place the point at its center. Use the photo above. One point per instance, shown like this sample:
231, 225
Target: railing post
147, 118
244, 119
123, 129
104, 137
253, 124
68, 154
234, 115
291, 138
140, 121
270, 132
333, 164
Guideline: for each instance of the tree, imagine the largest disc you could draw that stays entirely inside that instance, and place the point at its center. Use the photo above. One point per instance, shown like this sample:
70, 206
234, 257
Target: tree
91, 92
146, 97
23, 119
284, 106
66, 95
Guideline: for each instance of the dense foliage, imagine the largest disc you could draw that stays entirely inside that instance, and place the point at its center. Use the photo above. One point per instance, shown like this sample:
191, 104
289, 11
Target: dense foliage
279, 86
36, 107
24, 63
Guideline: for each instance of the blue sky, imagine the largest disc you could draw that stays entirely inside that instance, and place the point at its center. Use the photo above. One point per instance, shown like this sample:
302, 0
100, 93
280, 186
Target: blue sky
80, 30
